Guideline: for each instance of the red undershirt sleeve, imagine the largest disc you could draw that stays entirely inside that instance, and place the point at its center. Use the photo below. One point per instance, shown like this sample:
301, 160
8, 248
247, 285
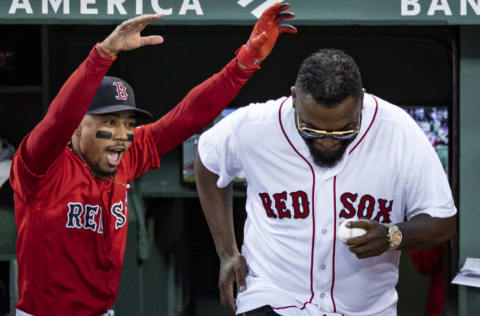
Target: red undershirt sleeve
201, 105
48, 139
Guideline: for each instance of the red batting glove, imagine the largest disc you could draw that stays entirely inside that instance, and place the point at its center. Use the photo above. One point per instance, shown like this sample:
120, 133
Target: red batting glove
264, 35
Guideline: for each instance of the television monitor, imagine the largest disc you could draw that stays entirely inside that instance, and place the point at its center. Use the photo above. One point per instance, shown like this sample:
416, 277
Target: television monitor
189, 148
433, 120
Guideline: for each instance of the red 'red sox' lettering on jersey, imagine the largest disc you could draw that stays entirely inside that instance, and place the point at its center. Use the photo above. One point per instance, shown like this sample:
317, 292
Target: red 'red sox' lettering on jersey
366, 207
298, 200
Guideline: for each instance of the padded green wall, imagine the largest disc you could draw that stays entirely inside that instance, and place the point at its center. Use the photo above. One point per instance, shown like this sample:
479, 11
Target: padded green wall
469, 212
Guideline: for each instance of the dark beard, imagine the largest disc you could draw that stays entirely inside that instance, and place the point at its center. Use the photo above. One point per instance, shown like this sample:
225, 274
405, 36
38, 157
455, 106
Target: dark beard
327, 161
102, 173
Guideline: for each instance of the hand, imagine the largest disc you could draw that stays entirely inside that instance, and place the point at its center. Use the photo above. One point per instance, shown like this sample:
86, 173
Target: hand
126, 36
264, 35
232, 269
373, 243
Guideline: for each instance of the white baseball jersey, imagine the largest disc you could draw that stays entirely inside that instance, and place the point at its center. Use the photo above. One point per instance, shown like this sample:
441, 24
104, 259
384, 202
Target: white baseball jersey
296, 262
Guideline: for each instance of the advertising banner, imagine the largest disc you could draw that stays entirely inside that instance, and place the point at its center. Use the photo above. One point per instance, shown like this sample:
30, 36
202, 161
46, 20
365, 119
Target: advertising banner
227, 12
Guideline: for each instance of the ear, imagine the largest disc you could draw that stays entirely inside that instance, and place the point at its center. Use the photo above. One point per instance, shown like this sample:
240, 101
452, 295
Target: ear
77, 132
362, 97
293, 94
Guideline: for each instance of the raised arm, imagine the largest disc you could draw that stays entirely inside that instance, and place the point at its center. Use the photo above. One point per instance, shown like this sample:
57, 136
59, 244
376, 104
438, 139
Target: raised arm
217, 208
48, 139
206, 101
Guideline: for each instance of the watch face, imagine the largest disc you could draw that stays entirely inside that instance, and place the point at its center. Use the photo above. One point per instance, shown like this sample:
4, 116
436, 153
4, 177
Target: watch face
396, 237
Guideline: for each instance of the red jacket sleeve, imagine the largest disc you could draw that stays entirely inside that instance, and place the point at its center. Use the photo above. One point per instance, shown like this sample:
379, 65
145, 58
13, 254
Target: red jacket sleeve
201, 106
48, 139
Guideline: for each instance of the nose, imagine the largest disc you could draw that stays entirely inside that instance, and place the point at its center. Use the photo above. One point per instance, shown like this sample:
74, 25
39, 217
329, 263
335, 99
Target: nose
120, 133
327, 143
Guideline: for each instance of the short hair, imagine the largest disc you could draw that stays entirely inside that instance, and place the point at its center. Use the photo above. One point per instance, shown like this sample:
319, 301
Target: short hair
329, 76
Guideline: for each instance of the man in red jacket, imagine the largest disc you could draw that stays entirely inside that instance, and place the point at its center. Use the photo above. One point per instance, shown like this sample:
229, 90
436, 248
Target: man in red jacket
71, 174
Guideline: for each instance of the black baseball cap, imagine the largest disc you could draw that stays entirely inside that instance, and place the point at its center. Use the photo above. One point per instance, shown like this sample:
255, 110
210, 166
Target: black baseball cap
115, 95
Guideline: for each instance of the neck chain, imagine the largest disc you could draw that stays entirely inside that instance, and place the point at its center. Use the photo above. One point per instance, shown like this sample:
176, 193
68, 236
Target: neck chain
109, 179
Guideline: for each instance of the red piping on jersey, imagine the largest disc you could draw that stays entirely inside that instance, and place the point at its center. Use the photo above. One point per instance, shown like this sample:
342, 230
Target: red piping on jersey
368, 128
313, 211
334, 239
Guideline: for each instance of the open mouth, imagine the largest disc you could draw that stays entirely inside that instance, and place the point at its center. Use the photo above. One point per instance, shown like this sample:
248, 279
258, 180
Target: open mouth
114, 155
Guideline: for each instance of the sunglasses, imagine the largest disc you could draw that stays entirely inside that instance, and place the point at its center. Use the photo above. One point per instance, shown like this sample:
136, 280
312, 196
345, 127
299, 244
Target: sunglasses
309, 133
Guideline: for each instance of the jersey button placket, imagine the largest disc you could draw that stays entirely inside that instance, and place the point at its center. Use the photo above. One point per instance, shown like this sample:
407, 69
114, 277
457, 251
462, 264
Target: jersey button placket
322, 205
325, 235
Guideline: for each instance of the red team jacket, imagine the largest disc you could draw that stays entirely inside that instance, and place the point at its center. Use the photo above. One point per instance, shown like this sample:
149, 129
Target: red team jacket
72, 226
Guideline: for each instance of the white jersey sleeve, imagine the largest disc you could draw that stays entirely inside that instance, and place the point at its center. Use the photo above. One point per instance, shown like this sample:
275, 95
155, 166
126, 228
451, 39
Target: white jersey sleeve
218, 150
427, 190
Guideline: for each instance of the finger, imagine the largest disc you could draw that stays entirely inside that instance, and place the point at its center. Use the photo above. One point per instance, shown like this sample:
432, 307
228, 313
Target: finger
284, 6
362, 248
354, 243
361, 223
372, 247
226, 296
258, 41
287, 28
222, 298
283, 16
151, 40
139, 23
139, 27
364, 251
128, 27
225, 286
153, 17
358, 241
145, 19
368, 253
240, 273
274, 10
357, 253
124, 26
133, 22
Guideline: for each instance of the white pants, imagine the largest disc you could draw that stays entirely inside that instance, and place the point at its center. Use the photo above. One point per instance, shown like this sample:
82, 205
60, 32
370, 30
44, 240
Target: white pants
21, 313
312, 310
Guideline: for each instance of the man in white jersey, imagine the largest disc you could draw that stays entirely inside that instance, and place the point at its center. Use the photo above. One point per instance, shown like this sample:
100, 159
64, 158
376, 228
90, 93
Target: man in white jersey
327, 153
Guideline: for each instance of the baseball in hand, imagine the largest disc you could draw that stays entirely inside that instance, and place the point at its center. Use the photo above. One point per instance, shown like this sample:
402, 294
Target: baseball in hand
345, 233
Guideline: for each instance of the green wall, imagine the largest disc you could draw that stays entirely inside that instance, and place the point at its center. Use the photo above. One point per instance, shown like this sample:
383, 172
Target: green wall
469, 213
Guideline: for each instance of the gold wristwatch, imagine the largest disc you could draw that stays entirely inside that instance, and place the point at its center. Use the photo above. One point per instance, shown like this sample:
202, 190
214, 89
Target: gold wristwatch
394, 236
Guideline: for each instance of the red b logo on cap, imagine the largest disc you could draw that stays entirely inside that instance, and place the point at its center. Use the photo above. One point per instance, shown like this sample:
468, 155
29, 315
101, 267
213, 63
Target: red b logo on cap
121, 90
